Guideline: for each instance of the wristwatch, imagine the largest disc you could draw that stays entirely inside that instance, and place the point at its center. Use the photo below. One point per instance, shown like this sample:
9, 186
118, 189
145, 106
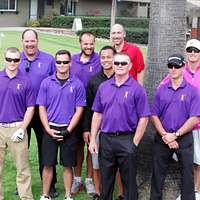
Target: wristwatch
177, 134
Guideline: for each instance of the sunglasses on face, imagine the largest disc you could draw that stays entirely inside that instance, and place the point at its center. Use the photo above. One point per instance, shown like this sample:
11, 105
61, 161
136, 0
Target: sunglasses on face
64, 62
123, 63
192, 49
15, 60
171, 66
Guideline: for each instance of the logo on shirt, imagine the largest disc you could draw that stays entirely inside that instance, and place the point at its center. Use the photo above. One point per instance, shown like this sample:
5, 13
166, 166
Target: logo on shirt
39, 65
71, 89
126, 95
90, 69
18, 86
182, 97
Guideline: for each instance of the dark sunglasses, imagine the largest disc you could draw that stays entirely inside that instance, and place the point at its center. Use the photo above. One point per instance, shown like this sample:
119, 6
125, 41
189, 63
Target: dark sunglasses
64, 62
123, 63
192, 49
171, 66
15, 60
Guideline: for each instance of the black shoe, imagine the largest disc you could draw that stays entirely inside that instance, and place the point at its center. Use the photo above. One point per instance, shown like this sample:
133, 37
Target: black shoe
120, 197
16, 192
96, 197
53, 193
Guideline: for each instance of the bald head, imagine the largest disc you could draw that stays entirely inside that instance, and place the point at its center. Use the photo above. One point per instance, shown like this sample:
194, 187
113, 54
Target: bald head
117, 35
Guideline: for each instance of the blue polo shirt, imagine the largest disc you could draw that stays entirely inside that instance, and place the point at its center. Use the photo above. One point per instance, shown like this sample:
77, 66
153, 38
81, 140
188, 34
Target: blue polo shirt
121, 107
61, 101
84, 71
16, 95
40, 68
174, 107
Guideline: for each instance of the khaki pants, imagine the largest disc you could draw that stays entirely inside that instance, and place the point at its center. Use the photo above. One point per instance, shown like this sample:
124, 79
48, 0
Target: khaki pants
19, 152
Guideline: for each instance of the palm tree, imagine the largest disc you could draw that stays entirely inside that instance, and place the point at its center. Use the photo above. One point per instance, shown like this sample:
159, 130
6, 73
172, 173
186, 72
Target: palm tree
166, 36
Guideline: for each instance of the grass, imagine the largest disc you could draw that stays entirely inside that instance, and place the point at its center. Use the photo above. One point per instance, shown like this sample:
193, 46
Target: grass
51, 44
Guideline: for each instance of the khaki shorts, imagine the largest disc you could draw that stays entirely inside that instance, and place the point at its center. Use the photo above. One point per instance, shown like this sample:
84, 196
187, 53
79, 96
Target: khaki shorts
95, 156
196, 137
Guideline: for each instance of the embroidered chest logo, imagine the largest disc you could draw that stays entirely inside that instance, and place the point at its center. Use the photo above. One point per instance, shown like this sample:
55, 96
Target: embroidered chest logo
126, 94
90, 69
19, 86
183, 97
71, 89
39, 65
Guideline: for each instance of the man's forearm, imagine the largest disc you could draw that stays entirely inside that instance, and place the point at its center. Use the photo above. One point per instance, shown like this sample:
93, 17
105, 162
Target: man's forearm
27, 117
96, 121
43, 117
142, 124
158, 126
75, 119
188, 125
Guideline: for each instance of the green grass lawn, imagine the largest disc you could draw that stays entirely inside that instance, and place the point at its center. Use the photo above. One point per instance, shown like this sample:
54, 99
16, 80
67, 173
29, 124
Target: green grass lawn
51, 44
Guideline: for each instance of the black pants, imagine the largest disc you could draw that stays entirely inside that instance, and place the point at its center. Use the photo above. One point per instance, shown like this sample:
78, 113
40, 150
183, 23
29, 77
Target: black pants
117, 152
162, 155
36, 125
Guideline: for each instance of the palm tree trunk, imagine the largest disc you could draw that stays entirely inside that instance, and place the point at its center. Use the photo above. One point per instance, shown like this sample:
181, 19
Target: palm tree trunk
167, 35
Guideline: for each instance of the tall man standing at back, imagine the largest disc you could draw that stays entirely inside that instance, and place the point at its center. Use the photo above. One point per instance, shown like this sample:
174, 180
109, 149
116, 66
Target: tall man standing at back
84, 66
37, 65
117, 35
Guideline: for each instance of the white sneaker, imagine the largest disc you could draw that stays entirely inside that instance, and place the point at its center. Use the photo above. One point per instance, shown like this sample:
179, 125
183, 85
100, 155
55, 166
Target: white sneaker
89, 187
45, 197
197, 196
76, 187
68, 198
179, 197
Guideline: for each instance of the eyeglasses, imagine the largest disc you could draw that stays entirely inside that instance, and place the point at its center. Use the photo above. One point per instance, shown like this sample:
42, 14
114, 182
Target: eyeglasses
123, 63
171, 66
192, 49
15, 60
64, 62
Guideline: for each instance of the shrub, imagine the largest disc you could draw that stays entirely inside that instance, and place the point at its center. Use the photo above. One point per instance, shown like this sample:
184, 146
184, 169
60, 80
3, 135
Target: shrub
89, 22
32, 23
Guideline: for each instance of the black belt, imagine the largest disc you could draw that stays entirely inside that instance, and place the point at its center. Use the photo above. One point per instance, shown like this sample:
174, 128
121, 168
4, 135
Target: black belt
118, 133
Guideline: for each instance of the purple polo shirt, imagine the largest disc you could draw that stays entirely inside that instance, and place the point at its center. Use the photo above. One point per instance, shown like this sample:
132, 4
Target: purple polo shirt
61, 101
121, 107
40, 68
174, 107
16, 94
84, 71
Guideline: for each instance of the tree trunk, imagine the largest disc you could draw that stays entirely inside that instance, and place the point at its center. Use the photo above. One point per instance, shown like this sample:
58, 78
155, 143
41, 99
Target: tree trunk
167, 35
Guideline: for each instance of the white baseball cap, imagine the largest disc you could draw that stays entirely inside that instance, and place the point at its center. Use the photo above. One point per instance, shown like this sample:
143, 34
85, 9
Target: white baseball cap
193, 43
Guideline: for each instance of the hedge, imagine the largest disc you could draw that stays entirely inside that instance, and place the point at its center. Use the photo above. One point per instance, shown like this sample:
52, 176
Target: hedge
134, 35
89, 22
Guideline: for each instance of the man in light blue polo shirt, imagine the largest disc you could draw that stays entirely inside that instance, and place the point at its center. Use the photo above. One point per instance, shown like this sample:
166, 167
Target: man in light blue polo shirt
61, 100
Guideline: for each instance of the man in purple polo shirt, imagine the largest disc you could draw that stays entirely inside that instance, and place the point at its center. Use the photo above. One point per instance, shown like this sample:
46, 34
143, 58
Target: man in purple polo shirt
36, 65
84, 65
121, 113
17, 99
61, 100
175, 108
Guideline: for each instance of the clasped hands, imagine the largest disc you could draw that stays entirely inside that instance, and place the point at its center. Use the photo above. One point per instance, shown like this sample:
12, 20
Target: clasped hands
58, 135
170, 140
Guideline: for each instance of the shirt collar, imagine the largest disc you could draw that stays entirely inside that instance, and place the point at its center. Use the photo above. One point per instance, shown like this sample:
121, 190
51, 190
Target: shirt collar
128, 82
183, 84
24, 57
92, 58
53, 77
189, 70
125, 47
4, 74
